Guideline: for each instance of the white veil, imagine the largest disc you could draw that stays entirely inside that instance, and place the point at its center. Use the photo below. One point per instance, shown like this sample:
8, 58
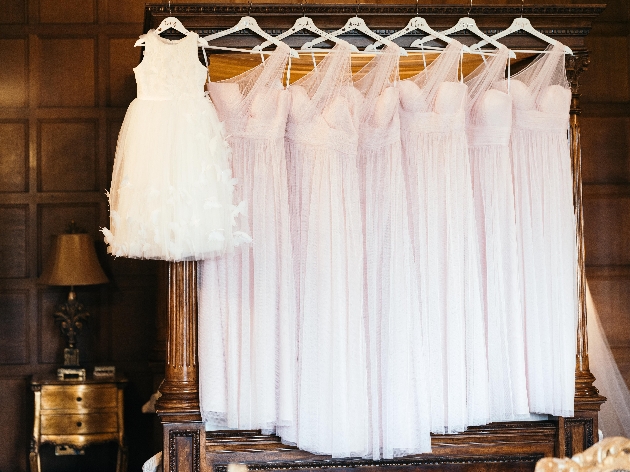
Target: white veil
614, 417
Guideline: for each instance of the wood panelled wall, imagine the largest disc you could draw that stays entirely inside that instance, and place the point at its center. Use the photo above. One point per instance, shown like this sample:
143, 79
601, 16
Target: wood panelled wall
65, 81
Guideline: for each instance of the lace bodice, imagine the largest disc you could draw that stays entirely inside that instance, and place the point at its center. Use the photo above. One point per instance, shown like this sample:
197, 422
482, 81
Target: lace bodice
170, 69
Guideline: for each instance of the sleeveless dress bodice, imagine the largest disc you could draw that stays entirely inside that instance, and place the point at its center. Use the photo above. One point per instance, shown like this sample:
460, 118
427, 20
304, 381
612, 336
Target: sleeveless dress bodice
382, 128
335, 126
548, 112
166, 73
261, 120
446, 114
494, 120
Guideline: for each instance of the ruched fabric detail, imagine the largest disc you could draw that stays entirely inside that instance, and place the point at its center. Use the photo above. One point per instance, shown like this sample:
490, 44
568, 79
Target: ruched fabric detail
535, 120
484, 136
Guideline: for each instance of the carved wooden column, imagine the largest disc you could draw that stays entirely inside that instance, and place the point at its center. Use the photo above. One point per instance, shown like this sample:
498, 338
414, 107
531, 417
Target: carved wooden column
178, 407
579, 432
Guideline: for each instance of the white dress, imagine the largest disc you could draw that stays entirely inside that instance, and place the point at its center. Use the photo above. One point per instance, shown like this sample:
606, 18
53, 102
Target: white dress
247, 343
543, 187
321, 144
488, 126
171, 190
445, 240
397, 334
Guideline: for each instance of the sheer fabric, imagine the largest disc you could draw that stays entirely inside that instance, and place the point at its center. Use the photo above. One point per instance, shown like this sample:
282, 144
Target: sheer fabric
247, 337
543, 188
324, 199
171, 194
445, 241
488, 127
397, 343
614, 417
413, 258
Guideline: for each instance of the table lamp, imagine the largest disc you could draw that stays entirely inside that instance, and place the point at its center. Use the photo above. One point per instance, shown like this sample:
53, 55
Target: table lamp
72, 262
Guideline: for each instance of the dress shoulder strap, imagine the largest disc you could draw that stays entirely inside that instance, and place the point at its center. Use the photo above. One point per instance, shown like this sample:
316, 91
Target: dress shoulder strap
547, 69
484, 77
443, 69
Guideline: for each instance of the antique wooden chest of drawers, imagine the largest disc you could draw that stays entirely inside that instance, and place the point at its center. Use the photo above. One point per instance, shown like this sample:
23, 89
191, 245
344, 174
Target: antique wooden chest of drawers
78, 413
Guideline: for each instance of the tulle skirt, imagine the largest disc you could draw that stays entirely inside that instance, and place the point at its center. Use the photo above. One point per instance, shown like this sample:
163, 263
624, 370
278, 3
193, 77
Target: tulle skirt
501, 280
397, 334
543, 188
332, 398
171, 196
247, 317
446, 250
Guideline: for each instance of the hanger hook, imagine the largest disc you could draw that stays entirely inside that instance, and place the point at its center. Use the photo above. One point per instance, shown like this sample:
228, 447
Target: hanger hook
522, 7
169, 7
417, 11
249, 10
469, 8
357, 13
303, 9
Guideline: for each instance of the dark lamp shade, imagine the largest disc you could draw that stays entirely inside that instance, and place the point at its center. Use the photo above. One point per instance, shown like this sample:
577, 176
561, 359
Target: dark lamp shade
73, 261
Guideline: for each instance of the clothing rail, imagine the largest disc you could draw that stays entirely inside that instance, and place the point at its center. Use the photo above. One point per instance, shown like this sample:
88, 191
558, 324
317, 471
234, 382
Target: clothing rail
187, 446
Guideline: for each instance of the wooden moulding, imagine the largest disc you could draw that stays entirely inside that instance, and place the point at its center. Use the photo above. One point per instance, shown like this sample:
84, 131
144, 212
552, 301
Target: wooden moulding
178, 407
580, 432
567, 23
180, 389
491, 447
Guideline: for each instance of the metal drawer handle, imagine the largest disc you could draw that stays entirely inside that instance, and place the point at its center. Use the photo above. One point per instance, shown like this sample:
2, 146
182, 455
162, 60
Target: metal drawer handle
79, 399
79, 424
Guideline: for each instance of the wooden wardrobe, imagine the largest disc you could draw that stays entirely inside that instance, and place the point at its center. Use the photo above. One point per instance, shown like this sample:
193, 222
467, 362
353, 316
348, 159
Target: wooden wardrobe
497, 446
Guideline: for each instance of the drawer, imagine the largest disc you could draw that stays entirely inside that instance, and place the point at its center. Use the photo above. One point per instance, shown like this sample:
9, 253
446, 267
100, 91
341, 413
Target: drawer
88, 423
78, 397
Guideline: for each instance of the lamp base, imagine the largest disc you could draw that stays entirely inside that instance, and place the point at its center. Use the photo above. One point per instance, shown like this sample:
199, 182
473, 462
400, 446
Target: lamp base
70, 357
70, 373
71, 369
